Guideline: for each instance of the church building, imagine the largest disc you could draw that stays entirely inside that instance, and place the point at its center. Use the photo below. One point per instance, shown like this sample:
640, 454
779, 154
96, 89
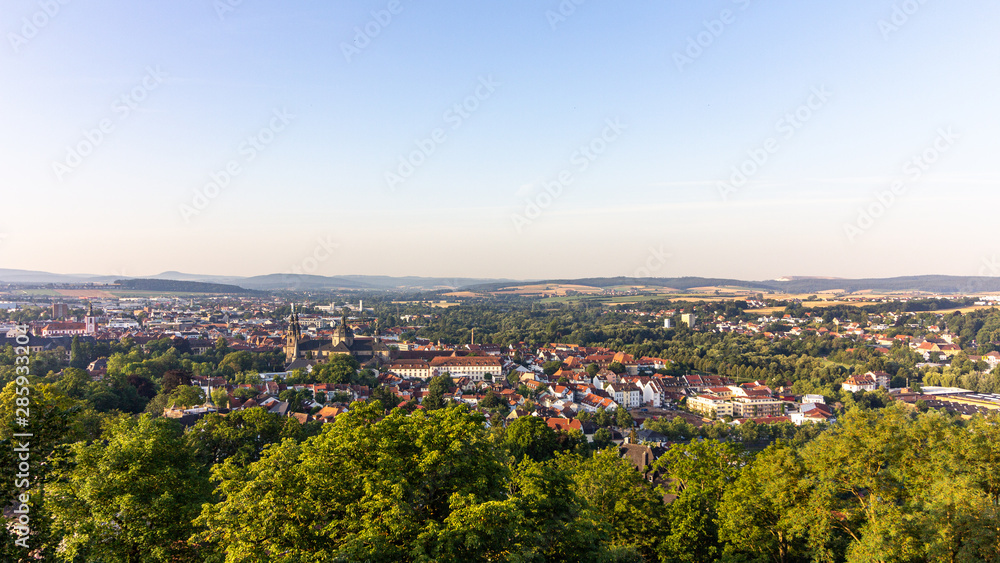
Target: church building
343, 341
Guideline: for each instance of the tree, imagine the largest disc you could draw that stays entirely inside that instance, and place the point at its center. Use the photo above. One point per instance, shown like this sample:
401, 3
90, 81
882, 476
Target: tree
173, 379
220, 398
385, 397
623, 419
186, 396
531, 437
878, 466
551, 367
240, 436
144, 387
77, 359
295, 399
54, 420
700, 473
129, 497
436, 390
592, 369
339, 369
764, 511
492, 401
617, 367
602, 418
74, 382
245, 393
513, 377
370, 487
623, 504
602, 438
236, 362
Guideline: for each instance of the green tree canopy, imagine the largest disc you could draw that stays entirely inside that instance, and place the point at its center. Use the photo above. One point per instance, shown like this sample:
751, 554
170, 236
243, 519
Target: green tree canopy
130, 497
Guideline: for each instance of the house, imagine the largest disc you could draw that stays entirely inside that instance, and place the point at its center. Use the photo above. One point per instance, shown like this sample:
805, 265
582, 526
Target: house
699, 383
653, 392
592, 403
646, 436
812, 413
567, 424
327, 414
992, 359
517, 413
857, 383
564, 424
881, 378
626, 394
641, 457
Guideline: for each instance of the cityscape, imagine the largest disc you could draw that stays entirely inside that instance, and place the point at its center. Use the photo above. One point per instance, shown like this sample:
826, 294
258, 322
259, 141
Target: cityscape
559, 281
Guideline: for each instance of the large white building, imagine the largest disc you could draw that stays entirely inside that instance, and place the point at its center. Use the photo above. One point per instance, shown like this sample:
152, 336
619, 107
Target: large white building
709, 405
410, 368
473, 367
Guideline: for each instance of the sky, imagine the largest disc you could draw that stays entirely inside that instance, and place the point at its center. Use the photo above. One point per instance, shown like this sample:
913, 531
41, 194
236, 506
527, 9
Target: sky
521, 139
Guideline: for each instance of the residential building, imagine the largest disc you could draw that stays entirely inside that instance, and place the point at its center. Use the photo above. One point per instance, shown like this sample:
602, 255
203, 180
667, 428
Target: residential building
709, 405
757, 406
857, 383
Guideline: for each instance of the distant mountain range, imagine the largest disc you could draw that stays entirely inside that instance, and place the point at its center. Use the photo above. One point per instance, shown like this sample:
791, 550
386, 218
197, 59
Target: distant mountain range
791, 284
306, 282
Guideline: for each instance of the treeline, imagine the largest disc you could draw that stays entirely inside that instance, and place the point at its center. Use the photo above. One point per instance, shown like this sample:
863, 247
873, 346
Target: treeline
142, 378
183, 286
811, 363
880, 485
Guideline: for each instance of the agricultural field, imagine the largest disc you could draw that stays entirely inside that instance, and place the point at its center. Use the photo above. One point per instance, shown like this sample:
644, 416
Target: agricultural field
85, 293
37, 292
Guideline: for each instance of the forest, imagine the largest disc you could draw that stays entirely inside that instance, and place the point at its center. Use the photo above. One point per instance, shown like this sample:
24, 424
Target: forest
882, 484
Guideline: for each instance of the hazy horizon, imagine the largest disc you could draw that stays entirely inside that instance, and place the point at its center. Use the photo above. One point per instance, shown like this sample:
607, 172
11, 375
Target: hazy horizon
987, 273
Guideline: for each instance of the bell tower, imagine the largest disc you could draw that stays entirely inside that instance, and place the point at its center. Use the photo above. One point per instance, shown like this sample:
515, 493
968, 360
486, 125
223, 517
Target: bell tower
90, 321
293, 335
343, 334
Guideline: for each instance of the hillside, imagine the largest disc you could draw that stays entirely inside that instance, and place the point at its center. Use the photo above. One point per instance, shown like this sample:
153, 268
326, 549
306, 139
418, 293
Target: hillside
180, 286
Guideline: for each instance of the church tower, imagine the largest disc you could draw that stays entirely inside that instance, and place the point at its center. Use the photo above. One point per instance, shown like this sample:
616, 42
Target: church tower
293, 335
343, 334
90, 321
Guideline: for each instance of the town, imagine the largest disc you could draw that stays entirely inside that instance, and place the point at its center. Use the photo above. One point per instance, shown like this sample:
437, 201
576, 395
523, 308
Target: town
617, 385
567, 385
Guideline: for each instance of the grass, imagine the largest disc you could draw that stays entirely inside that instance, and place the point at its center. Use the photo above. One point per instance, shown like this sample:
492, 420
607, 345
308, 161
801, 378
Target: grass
40, 292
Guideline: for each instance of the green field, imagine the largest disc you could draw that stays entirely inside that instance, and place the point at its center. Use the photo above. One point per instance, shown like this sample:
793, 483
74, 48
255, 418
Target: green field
150, 294
618, 299
38, 292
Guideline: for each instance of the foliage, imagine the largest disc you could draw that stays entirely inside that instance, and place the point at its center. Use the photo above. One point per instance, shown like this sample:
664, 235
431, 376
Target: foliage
131, 496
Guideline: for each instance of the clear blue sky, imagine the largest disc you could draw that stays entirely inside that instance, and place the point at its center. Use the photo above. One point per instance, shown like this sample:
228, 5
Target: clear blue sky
546, 86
